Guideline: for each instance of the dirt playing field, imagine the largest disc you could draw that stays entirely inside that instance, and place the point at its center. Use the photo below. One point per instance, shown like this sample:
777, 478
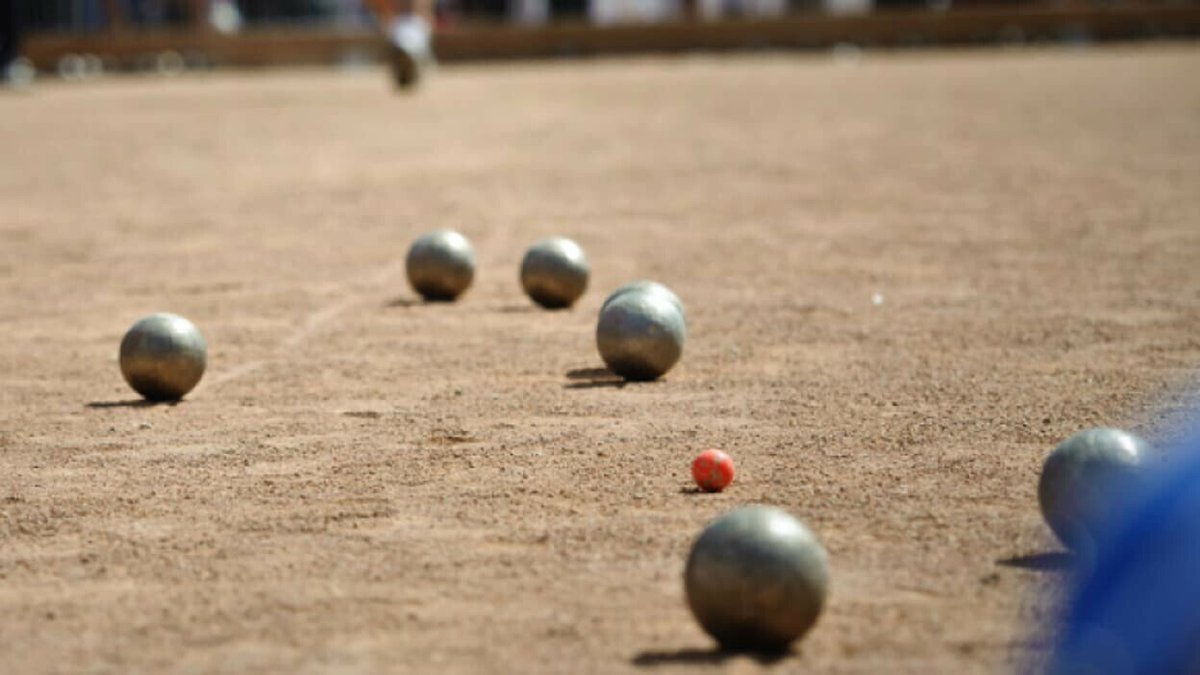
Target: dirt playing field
907, 278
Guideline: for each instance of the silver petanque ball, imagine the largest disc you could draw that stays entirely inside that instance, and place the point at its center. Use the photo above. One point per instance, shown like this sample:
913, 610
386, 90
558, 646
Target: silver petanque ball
1083, 480
646, 286
163, 357
554, 272
441, 265
757, 579
640, 335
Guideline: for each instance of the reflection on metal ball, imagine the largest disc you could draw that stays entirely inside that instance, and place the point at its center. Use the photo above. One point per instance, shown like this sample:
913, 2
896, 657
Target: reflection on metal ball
441, 265
554, 272
163, 357
646, 286
640, 335
1084, 479
757, 579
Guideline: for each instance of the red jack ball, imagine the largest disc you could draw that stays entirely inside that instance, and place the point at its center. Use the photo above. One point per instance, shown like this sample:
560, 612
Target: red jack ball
713, 470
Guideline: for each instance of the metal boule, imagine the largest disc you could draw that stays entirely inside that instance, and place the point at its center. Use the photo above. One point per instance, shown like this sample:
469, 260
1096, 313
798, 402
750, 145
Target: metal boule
757, 579
441, 265
640, 335
1083, 481
163, 356
554, 272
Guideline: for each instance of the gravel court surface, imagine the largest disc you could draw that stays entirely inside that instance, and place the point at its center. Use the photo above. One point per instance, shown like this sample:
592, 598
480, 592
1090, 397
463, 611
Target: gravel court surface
907, 278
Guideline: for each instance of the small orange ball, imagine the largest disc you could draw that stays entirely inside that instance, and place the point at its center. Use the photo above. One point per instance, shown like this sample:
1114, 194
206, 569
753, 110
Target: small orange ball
713, 470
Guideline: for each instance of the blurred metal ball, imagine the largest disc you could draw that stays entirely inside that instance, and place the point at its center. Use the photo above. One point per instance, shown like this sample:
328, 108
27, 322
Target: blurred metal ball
554, 272
757, 579
1083, 480
163, 356
646, 286
640, 335
441, 265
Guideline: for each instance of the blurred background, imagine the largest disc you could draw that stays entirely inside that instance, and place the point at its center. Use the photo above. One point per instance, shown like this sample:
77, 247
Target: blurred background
78, 38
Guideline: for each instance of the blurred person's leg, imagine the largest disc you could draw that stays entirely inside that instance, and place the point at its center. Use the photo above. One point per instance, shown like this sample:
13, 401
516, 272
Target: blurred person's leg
10, 38
15, 70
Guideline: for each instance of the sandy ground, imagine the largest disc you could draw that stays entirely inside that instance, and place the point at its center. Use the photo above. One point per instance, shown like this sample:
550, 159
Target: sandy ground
363, 483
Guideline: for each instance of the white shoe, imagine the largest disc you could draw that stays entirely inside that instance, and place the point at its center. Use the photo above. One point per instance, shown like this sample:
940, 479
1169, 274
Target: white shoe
411, 33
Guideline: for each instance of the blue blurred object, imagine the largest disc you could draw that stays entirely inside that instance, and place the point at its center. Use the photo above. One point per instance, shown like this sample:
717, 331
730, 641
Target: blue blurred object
1136, 609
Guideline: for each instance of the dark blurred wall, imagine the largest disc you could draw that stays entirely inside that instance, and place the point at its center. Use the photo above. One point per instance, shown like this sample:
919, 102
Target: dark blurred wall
568, 9
86, 15
488, 10
273, 10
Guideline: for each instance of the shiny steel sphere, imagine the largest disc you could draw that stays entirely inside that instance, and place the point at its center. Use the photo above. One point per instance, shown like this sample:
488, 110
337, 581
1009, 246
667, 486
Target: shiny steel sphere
163, 357
756, 579
640, 335
1084, 478
554, 272
646, 286
441, 265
